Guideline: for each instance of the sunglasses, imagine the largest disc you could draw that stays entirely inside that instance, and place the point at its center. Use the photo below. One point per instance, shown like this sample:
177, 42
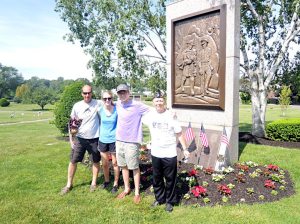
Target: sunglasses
86, 93
108, 98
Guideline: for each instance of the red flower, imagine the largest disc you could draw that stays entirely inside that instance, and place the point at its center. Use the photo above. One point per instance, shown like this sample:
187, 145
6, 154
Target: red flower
223, 189
272, 167
198, 191
193, 172
270, 184
208, 170
242, 167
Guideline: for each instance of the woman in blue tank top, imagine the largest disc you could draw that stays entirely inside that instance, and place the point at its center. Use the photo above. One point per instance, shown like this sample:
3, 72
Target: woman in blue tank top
107, 139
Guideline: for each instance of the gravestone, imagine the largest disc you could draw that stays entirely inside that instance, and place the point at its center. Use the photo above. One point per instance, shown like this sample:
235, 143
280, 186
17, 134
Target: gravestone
203, 77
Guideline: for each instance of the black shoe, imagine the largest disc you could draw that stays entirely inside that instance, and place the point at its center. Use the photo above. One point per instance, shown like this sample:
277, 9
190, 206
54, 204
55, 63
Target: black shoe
156, 203
169, 207
105, 185
114, 190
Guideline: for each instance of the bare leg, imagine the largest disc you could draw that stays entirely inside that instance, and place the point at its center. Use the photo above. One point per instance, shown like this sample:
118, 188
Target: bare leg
116, 169
125, 173
71, 172
95, 173
105, 165
136, 177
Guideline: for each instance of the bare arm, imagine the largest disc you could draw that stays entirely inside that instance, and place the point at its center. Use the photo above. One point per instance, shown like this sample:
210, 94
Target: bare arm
183, 143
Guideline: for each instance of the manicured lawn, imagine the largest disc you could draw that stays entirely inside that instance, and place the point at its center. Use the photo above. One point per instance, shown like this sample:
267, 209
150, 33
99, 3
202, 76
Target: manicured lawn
24, 112
33, 168
273, 113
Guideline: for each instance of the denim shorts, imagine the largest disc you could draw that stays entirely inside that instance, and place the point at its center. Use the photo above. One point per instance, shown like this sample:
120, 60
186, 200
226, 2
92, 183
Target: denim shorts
128, 154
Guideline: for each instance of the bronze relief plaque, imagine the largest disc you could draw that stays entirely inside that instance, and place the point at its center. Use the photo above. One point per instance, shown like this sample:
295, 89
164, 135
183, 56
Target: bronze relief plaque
198, 60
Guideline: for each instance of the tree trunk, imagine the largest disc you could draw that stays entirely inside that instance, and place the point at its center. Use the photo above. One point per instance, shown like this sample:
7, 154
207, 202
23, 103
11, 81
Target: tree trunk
259, 104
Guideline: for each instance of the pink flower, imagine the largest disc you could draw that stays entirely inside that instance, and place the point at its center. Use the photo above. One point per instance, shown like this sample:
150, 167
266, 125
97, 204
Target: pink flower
270, 184
223, 189
198, 191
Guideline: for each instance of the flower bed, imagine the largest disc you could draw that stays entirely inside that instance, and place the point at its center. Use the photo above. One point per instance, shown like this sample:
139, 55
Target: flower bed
245, 182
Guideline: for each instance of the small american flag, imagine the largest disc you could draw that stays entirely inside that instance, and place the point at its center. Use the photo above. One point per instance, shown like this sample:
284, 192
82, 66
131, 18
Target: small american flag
224, 138
203, 136
189, 134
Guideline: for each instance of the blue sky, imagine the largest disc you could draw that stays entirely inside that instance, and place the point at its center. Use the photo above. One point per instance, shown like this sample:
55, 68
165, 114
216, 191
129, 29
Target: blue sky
31, 40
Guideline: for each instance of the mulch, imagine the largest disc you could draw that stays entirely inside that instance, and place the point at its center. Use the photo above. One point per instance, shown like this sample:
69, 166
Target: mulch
240, 193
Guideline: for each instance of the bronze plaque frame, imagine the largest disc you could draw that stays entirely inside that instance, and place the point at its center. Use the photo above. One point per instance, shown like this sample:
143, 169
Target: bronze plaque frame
198, 60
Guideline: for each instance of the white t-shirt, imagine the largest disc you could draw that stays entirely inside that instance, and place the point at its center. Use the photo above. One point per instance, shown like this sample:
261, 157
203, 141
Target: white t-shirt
89, 127
163, 130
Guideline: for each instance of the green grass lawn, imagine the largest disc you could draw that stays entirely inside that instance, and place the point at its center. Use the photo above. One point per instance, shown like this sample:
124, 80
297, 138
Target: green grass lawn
33, 169
273, 113
24, 112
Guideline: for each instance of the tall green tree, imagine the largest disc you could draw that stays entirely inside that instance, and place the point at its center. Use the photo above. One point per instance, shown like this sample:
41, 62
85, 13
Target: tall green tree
285, 99
10, 79
43, 96
125, 38
289, 75
268, 28
63, 108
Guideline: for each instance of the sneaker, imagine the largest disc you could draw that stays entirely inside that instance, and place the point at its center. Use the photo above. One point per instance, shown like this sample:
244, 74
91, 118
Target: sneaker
169, 207
114, 190
65, 190
105, 185
93, 188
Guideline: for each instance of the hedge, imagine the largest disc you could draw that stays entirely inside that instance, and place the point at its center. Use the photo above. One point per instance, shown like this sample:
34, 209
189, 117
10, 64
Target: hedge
284, 130
4, 102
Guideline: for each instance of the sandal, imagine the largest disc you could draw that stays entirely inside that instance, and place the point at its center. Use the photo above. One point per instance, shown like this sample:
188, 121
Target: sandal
137, 199
123, 194
93, 188
65, 190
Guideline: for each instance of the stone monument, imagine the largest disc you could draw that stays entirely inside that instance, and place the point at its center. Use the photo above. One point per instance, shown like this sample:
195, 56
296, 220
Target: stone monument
203, 77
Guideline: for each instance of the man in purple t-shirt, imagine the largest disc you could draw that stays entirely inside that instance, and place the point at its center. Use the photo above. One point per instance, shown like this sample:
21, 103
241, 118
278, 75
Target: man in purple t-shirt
129, 136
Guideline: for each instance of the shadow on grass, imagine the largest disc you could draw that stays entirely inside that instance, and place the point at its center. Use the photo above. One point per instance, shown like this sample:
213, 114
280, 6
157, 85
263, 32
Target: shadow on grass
40, 110
242, 146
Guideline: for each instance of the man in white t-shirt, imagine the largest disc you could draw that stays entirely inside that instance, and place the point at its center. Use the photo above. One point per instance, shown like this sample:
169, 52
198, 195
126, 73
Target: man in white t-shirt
164, 129
87, 137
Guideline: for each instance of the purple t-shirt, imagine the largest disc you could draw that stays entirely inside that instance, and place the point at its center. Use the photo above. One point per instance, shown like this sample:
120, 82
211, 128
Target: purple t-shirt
129, 126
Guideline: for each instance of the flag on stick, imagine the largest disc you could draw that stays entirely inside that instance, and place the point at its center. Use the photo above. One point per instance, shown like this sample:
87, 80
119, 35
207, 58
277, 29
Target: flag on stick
221, 157
189, 134
224, 138
203, 136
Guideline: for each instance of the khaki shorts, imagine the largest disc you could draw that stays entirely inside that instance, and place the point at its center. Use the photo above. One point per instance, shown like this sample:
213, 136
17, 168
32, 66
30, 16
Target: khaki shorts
128, 154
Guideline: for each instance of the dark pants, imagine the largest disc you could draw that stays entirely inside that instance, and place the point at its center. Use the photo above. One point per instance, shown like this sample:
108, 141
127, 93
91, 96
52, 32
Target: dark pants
164, 168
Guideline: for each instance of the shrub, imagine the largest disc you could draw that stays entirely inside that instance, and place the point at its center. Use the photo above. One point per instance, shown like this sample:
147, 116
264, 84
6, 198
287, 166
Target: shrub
245, 97
284, 130
4, 102
148, 98
63, 108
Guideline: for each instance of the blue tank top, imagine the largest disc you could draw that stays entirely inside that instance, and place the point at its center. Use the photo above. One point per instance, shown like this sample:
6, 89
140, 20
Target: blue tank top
108, 126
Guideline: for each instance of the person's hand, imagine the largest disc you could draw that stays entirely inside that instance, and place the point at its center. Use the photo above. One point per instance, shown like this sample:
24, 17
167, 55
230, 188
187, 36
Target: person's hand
186, 154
